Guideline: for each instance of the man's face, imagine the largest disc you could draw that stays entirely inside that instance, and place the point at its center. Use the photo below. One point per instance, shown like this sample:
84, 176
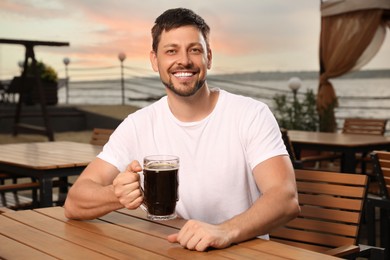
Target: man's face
182, 59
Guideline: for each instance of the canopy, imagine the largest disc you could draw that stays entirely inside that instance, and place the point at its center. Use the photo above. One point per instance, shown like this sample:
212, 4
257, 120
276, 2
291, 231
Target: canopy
352, 32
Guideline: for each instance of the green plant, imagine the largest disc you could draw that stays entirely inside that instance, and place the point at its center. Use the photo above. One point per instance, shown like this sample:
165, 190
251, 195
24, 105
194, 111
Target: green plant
46, 72
294, 114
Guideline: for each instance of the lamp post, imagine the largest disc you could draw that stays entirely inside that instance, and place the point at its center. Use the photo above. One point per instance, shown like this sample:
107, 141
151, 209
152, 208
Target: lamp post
21, 66
122, 57
294, 84
66, 61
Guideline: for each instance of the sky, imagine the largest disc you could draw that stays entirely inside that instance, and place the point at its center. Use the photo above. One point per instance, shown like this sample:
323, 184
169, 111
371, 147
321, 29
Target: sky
250, 35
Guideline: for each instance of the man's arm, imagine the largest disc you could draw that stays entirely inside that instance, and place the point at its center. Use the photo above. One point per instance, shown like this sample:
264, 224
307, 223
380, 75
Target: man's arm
101, 189
277, 205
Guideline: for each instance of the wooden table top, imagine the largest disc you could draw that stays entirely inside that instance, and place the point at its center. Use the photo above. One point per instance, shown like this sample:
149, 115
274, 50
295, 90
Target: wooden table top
48, 155
337, 139
46, 234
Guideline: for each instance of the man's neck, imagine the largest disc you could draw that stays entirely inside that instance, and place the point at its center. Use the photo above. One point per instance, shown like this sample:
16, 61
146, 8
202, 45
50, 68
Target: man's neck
193, 108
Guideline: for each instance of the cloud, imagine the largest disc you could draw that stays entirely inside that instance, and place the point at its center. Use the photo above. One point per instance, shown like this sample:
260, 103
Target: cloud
266, 34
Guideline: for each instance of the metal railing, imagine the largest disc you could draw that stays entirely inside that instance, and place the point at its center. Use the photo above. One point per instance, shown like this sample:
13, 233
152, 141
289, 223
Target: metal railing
136, 86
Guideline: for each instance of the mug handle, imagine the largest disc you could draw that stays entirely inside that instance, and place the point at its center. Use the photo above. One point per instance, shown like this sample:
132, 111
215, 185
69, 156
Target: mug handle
143, 206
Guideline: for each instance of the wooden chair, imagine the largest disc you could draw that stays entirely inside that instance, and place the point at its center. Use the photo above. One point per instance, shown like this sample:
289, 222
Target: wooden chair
365, 126
302, 162
14, 187
331, 211
381, 166
100, 136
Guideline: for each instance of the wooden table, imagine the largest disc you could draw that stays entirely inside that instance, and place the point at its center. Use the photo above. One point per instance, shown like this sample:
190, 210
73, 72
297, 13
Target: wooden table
347, 144
30, 55
45, 161
123, 234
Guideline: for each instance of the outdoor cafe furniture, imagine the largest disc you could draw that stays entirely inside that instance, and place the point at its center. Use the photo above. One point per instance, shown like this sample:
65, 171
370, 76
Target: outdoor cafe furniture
45, 161
381, 163
123, 234
347, 144
100, 136
363, 126
331, 215
30, 55
301, 163
14, 188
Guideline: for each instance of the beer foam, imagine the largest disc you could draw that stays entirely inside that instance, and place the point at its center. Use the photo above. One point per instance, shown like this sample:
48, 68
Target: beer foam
161, 166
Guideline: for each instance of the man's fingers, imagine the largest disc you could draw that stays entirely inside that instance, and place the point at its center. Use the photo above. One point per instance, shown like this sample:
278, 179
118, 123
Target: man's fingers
172, 238
134, 166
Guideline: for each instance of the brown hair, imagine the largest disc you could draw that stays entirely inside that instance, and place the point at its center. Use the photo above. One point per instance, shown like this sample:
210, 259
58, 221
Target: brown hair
175, 18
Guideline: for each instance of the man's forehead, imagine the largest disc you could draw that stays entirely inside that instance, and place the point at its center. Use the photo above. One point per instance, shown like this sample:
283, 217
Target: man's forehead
188, 33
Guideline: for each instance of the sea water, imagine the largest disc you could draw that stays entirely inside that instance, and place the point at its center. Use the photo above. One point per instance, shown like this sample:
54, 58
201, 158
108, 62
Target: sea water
357, 97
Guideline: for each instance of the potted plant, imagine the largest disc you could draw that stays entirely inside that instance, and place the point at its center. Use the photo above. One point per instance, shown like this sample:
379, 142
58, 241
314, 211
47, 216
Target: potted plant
49, 80
295, 114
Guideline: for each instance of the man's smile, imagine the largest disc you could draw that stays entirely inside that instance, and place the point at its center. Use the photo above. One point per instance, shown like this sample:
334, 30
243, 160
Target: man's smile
182, 75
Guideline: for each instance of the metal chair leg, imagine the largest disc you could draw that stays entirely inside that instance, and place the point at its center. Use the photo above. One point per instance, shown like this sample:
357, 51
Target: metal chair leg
370, 215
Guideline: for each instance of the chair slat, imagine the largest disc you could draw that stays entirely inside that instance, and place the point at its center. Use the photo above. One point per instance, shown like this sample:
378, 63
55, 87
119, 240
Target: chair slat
316, 248
330, 189
330, 214
313, 237
381, 161
100, 136
320, 176
364, 126
321, 226
331, 209
330, 201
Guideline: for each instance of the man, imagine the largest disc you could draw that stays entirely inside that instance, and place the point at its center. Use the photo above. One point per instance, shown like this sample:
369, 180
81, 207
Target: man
236, 179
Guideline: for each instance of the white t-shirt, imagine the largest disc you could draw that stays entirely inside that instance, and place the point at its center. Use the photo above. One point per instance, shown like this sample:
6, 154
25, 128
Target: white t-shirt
217, 154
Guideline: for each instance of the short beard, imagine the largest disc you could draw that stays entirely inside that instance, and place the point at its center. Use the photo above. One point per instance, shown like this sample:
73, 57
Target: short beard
199, 84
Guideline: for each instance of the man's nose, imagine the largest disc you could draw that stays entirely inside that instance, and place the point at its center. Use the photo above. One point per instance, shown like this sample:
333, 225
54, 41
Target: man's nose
184, 58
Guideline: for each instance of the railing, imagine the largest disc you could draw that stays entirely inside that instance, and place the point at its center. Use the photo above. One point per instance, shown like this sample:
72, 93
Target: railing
138, 87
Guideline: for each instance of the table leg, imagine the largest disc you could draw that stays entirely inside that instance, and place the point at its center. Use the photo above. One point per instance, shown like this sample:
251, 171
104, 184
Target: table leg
46, 192
348, 162
63, 190
384, 228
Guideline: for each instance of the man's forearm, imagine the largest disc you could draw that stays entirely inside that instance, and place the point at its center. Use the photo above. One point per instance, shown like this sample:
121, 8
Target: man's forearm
268, 212
96, 202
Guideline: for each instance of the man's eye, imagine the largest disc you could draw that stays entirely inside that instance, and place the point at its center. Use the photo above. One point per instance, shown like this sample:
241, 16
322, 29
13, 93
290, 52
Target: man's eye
171, 52
196, 50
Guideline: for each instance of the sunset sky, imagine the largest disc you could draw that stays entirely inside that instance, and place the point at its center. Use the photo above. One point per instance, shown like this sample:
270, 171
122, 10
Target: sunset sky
251, 35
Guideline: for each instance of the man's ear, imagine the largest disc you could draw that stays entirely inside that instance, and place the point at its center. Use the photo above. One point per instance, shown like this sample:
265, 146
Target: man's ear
153, 61
209, 58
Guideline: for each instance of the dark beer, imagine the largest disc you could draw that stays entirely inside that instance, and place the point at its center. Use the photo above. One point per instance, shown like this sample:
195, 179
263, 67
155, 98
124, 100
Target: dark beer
161, 188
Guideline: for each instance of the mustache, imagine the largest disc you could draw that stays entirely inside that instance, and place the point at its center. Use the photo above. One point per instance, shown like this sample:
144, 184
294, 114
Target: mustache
186, 67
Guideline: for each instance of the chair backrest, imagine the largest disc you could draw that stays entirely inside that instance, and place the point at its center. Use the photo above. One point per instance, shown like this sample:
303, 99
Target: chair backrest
364, 126
331, 210
100, 136
290, 149
288, 144
381, 164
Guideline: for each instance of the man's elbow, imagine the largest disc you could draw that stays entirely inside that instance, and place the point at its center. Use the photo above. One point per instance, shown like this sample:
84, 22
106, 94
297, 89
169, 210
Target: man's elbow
293, 208
68, 212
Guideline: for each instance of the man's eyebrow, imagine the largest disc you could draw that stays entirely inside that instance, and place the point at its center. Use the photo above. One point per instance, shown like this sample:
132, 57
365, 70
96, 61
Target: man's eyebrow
176, 45
170, 45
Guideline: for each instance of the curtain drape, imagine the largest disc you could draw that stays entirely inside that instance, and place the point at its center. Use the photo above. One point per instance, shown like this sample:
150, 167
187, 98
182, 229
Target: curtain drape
344, 39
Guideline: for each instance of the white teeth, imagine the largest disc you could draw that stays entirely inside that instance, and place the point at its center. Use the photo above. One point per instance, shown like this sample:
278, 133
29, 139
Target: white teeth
183, 74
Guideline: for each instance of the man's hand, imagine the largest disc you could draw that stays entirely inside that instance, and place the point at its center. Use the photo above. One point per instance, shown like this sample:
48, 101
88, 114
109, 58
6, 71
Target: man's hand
127, 187
199, 236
